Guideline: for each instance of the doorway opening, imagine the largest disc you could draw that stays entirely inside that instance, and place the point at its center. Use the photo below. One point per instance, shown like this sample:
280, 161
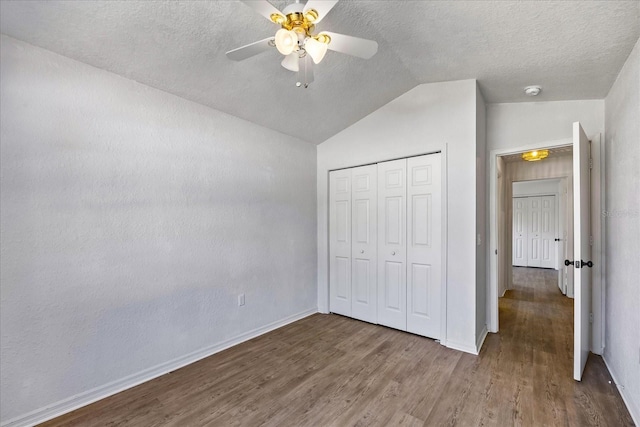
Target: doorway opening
581, 174
534, 207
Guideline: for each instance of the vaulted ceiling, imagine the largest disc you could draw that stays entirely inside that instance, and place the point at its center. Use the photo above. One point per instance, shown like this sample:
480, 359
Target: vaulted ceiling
573, 49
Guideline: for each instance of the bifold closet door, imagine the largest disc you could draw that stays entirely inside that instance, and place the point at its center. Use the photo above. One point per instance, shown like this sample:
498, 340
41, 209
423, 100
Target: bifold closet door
392, 254
534, 248
548, 231
520, 231
352, 248
424, 245
385, 243
364, 212
340, 242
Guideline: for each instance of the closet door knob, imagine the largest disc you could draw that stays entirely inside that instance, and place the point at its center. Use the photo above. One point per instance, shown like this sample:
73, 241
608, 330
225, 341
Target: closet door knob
393, 253
361, 251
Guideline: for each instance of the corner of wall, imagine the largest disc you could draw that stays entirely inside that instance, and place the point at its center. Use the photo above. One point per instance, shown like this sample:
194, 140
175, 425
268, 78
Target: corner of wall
482, 215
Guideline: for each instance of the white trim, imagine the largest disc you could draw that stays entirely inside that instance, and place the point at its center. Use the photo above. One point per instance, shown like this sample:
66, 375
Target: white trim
444, 168
455, 345
597, 250
492, 250
481, 338
635, 412
82, 399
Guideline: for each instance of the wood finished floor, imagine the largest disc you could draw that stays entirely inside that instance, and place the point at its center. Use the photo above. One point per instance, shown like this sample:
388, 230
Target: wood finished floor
328, 370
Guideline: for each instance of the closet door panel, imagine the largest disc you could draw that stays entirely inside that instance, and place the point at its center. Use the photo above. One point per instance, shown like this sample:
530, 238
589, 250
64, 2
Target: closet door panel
535, 243
424, 245
364, 203
520, 231
548, 231
392, 270
340, 242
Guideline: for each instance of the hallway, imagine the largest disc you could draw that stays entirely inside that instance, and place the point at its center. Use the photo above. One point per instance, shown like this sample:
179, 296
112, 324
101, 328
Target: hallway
536, 334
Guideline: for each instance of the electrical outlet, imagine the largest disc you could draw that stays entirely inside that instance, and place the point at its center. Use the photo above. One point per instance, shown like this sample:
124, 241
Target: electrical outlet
240, 300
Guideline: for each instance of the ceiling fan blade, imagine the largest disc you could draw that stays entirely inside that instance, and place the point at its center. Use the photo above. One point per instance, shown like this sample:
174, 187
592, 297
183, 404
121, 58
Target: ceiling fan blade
263, 7
250, 50
321, 6
305, 71
355, 46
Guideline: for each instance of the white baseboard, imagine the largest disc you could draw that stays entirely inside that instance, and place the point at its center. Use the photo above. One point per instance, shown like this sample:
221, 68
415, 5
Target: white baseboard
455, 345
473, 349
481, 338
79, 400
633, 410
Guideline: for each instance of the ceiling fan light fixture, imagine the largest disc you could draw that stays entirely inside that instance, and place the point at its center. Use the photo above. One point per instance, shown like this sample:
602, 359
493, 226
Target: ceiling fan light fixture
278, 19
323, 38
291, 62
311, 15
317, 50
535, 155
286, 41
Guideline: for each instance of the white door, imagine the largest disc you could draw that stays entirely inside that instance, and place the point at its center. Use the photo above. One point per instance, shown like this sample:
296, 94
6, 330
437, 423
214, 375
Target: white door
340, 242
364, 269
392, 256
548, 232
424, 250
520, 231
581, 249
534, 244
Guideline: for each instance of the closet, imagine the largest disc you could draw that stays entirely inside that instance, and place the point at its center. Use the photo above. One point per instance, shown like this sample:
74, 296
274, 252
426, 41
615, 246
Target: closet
534, 231
385, 244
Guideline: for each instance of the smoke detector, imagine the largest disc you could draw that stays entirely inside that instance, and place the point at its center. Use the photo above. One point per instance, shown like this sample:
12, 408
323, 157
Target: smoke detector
532, 90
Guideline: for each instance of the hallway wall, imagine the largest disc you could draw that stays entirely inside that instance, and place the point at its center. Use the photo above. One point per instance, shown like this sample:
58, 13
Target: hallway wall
622, 225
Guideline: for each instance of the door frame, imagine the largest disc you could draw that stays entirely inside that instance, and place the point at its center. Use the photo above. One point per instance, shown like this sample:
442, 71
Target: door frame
598, 255
444, 243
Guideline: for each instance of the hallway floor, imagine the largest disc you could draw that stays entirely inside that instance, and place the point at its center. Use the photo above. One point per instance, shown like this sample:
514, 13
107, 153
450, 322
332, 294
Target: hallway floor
536, 328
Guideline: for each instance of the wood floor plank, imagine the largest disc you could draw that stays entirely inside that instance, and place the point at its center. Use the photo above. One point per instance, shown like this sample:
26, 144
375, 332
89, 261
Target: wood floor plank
329, 370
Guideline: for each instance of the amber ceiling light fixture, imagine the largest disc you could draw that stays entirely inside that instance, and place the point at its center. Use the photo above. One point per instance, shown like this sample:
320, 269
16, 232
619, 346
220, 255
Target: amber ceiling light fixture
535, 155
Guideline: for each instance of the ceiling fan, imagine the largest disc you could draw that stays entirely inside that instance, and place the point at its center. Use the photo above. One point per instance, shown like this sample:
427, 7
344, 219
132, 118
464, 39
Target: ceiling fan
297, 41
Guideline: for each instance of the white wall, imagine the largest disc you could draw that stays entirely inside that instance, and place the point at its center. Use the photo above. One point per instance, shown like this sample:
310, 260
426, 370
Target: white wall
523, 123
482, 213
428, 118
622, 225
131, 220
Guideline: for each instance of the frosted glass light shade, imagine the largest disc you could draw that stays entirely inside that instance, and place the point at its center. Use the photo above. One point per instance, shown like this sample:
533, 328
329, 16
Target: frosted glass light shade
534, 156
291, 62
315, 49
286, 41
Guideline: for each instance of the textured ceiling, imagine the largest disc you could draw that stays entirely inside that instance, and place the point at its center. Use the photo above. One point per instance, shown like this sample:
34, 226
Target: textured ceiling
573, 49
